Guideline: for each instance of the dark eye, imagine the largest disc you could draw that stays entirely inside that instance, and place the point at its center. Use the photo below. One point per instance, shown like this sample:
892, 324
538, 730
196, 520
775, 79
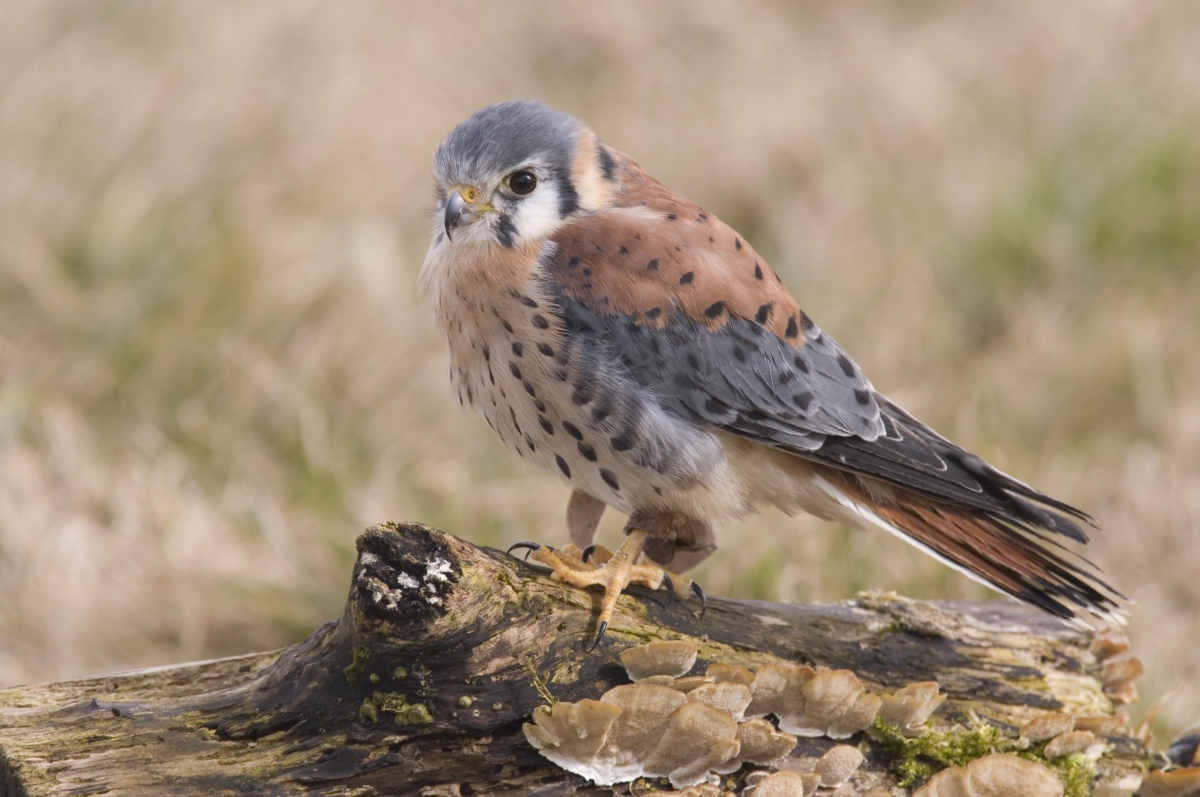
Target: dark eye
522, 182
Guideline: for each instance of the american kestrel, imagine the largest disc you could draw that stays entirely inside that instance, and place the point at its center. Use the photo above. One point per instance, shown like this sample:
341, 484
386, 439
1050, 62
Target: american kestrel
626, 339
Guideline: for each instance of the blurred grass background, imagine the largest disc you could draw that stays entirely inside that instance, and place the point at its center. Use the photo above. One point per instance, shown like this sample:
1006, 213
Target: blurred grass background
214, 371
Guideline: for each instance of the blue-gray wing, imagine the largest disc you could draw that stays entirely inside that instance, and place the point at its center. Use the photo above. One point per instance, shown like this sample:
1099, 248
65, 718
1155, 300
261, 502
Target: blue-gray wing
812, 401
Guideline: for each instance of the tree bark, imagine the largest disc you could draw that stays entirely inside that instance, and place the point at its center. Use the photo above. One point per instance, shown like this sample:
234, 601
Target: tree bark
445, 649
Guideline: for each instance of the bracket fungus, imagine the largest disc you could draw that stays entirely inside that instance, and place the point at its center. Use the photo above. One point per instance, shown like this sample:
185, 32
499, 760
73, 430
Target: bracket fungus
784, 783
838, 764
1176, 783
1044, 727
761, 743
997, 775
659, 658
633, 731
808, 703
1069, 743
728, 697
910, 707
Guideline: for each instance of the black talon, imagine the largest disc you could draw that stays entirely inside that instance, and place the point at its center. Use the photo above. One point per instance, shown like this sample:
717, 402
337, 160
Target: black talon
531, 546
670, 586
599, 636
586, 553
699, 593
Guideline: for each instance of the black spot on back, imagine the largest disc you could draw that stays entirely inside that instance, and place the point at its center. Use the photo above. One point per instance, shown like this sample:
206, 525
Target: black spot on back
800, 363
802, 400
862, 396
623, 442
737, 244
609, 478
563, 466
806, 323
572, 430
671, 217
517, 349
757, 271
652, 265
653, 312
763, 313
516, 372
573, 262
714, 310
624, 251
525, 300
546, 425
540, 322
847, 366
687, 278
792, 328
507, 326
487, 353
545, 350
587, 451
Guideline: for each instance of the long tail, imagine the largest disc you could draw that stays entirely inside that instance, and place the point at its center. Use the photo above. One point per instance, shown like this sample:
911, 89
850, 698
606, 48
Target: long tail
1007, 556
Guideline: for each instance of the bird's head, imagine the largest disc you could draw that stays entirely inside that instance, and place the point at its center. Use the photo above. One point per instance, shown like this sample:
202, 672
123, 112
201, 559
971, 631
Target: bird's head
514, 172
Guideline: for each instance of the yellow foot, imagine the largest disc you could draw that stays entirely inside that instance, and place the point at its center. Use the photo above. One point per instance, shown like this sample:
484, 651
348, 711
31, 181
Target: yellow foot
614, 571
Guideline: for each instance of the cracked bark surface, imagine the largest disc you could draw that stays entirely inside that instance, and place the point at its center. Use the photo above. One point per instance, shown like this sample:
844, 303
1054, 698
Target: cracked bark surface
444, 649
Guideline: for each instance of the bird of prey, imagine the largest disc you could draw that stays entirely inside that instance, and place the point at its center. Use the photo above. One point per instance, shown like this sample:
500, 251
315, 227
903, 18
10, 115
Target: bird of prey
626, 339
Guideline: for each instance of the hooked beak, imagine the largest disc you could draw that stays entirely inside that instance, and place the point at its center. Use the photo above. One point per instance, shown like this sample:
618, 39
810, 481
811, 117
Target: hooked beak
460, 212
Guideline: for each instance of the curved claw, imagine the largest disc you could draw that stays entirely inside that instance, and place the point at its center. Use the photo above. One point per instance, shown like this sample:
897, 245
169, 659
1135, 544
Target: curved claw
586, 553
699, 593
529, 546
599, 636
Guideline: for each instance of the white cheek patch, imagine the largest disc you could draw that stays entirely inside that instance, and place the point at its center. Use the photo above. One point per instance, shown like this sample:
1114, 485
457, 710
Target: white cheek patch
537, 216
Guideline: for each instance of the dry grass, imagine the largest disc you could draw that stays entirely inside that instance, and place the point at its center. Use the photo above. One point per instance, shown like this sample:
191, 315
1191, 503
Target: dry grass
214, 370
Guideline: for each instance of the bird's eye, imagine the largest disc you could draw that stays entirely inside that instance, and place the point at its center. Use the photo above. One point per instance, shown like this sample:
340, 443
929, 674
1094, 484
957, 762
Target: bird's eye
522, 182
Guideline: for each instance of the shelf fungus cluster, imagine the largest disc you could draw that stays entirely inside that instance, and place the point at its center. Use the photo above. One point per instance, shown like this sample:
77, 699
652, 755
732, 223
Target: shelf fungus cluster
690, 729
996, 775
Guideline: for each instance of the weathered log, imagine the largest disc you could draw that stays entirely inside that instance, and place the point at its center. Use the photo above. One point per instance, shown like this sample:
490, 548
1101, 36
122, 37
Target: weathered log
445, 649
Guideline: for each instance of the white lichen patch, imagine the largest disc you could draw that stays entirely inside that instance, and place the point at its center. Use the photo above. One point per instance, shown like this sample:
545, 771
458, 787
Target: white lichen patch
437, 572
909, 708
994, 776
673, 658
405, 581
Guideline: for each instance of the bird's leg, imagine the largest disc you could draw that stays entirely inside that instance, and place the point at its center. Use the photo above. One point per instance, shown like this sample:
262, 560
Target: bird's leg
673, 540
683, 544
617, 573
583, 516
